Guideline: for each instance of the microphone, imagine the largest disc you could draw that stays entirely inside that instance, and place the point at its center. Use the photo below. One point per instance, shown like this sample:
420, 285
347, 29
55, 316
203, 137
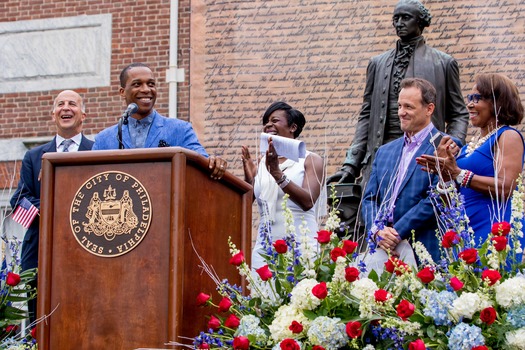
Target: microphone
131, 109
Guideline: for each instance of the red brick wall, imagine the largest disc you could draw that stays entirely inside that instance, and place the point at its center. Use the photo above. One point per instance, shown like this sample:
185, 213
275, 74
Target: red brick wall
140, 34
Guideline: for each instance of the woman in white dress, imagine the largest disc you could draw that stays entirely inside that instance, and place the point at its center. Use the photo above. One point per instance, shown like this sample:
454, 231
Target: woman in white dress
275, 176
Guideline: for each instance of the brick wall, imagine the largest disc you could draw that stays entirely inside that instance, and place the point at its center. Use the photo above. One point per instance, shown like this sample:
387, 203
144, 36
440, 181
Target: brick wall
140, 33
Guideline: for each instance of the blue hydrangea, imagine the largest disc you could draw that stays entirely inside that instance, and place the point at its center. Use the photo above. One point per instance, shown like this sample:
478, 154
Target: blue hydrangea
250, 326
516, 316
328, 332
438, 305
465, 337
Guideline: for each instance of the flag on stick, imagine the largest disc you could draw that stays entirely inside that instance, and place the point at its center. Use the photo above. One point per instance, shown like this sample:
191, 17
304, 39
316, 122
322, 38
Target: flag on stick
25, 213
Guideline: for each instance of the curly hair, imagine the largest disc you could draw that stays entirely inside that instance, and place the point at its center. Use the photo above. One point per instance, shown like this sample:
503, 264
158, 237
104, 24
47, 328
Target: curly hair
425, 18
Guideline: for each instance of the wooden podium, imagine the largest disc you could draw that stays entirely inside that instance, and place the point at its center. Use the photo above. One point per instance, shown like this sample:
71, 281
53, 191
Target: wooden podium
117, 267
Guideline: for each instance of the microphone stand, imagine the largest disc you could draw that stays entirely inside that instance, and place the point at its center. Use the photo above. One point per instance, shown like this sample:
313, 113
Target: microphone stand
123, 120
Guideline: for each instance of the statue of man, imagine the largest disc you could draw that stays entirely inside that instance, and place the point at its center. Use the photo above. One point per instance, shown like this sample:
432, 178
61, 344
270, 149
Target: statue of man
378, 121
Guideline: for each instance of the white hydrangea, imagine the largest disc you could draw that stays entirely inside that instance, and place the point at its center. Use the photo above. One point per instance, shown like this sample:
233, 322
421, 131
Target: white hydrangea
302, 297
511, 292
283, 318
468, 304
363, 288
516, 339
369, 347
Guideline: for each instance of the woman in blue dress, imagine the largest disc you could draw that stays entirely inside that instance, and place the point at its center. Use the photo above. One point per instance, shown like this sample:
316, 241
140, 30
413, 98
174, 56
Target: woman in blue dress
486, 170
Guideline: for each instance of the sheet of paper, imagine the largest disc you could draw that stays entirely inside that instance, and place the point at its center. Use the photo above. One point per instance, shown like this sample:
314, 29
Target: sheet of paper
290, 148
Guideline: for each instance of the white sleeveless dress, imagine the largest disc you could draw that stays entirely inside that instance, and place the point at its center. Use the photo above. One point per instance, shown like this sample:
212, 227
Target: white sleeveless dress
269, 202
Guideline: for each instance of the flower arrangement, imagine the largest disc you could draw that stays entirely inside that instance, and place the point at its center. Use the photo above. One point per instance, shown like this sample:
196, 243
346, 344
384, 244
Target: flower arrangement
14, 294
472, 299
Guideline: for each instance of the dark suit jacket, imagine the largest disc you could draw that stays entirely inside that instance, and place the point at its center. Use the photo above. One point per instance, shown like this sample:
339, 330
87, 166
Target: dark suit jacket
428, 63
29, 187
413, 209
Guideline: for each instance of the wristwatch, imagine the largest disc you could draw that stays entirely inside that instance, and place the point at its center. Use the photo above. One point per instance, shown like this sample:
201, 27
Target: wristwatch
459, 179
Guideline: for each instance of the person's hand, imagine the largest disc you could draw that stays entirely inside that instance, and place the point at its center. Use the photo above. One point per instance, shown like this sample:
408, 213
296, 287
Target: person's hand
388, 239
217, 167
445, 166
345, 175
272, 161
447, 143
249, 166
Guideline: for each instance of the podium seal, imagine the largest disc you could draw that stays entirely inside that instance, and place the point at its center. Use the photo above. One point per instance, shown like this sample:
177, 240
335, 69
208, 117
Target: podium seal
110, 214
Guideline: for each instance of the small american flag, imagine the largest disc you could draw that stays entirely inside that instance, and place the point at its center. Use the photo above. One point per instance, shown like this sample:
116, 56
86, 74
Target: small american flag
25, 213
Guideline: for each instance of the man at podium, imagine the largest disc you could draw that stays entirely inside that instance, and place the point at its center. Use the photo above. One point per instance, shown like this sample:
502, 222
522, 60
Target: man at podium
141, 126
68, 114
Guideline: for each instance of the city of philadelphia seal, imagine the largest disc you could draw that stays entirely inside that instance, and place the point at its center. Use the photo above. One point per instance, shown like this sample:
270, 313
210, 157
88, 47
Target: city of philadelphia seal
110, 214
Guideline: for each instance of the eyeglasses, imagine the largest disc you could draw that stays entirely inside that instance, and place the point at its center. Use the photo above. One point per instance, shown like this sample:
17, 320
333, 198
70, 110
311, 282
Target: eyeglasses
474, 98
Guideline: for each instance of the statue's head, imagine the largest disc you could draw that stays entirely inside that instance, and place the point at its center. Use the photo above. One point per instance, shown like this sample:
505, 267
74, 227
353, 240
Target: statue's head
410, 18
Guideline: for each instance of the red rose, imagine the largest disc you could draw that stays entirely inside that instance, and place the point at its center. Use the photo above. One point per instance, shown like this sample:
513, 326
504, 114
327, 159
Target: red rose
469, 255
232, 321
12, 279
323, 236
214, 323
33, 333
405, 309
204, 346
382, 295
320, 290
337, 252
351, 274
426, 275
450, 239
241, 343
280, 246
202, 299
225, 304
417, 345
237, 259
290, 344
456, 284
500, 228
318, 347
481, 347
264, 272
393, 264
353, 329
11, 328
488, 315
296, 327
500, 243
349, 246
492, 276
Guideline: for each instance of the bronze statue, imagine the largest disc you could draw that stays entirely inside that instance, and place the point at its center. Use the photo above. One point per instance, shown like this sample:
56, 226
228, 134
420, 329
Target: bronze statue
378, 121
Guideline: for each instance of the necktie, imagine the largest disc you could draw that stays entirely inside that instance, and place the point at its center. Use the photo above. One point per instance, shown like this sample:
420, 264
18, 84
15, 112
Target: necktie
66, 144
